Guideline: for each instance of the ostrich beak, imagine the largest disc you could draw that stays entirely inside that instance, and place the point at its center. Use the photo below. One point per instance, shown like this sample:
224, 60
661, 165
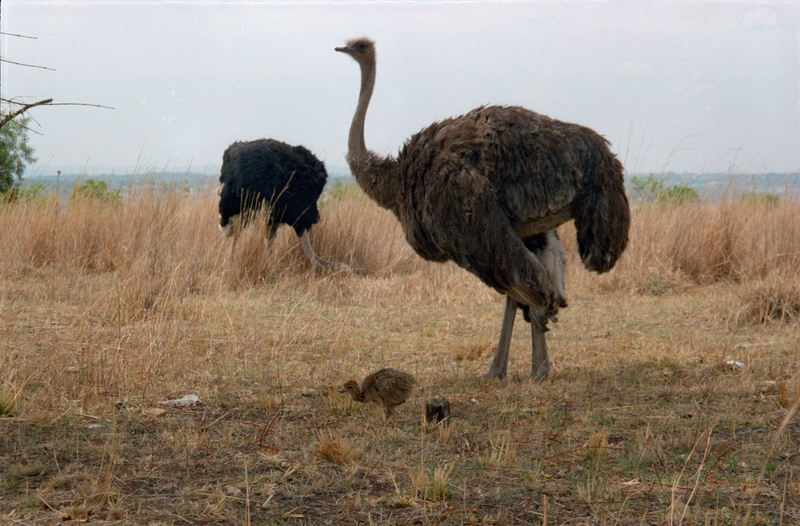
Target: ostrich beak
343, 49
342, 389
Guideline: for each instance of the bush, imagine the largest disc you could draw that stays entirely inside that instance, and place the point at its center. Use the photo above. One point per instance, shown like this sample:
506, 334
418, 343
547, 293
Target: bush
31, 193
756, 198
651, 188
27, 195
678, 194
95, 189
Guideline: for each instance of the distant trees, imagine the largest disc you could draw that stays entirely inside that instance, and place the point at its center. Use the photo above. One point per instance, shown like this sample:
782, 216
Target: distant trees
15, 152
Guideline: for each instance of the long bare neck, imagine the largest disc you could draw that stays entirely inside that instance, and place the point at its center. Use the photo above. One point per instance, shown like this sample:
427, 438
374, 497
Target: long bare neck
378, 176
356, 147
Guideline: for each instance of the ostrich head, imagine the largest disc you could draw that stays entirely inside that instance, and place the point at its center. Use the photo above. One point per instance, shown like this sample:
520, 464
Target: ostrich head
361, 49
351, 387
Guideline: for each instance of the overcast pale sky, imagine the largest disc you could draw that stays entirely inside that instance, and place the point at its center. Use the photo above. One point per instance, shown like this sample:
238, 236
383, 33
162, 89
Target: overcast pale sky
675, 86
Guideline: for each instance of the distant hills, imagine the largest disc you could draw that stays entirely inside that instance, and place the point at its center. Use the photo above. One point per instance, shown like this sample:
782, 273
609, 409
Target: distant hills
707, 185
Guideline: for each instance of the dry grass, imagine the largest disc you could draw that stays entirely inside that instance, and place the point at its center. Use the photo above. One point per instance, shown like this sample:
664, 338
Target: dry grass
107, 309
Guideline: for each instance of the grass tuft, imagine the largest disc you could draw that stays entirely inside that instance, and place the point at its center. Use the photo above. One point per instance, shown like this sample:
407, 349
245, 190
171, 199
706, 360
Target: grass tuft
771, 303
335, 449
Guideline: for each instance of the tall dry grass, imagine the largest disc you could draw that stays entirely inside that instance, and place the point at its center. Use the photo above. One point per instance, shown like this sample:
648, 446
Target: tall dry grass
159, 244
698, 243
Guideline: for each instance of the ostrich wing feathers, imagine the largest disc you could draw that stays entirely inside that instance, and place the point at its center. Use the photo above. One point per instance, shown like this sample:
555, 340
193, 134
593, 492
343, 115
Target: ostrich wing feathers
478, 184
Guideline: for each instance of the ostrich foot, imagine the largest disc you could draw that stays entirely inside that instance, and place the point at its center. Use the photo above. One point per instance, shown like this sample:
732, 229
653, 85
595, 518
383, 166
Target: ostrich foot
540, 373
329, 267
323, 265
494, 374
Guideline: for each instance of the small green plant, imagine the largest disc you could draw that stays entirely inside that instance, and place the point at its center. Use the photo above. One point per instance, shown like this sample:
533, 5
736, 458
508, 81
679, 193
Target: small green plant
533, 471
95, 189
10, 482
771, 466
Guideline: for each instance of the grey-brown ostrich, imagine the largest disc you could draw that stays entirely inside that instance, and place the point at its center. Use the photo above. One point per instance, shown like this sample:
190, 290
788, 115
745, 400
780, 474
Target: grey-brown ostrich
486, 189
287, 179
386, 388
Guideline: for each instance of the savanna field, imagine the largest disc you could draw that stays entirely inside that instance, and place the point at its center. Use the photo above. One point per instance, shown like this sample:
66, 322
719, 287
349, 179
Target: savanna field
673, 395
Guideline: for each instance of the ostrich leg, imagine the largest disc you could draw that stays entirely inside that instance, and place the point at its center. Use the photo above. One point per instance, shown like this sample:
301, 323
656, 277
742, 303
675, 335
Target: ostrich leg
318, 262
540, 367
500, 362
273, 230
540, 361
233, 249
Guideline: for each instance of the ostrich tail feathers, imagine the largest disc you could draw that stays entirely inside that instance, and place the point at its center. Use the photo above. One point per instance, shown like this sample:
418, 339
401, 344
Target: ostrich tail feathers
602, 218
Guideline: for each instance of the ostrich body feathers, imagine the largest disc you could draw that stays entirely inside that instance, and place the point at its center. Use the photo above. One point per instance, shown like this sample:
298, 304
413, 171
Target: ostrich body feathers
289, 179
472, 189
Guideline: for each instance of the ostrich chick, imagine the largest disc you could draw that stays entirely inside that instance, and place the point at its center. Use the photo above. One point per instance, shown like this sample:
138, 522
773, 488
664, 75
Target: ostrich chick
386, 388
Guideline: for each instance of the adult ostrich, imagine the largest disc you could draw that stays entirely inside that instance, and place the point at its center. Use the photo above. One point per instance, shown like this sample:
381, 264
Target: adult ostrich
487, 189
287, 179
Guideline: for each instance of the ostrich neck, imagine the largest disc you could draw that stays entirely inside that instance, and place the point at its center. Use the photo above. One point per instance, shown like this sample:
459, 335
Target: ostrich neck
377, 176
356, 147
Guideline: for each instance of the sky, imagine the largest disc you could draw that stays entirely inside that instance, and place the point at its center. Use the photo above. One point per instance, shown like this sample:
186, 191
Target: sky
675, 86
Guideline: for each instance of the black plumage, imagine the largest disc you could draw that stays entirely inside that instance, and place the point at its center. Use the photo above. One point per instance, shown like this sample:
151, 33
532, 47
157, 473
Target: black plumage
288, 180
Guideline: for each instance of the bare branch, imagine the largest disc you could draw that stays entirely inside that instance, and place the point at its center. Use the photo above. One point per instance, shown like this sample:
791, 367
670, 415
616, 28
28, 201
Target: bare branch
26, 65
9, 101
16, 35
23, 109
80, 104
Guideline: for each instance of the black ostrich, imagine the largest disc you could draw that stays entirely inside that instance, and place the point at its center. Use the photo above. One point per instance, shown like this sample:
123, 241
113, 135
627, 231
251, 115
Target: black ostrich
287, 179
487, 189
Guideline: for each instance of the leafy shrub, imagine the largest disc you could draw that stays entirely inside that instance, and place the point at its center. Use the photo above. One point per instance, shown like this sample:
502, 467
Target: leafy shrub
95, 189
651, 188
32, 192
678, 194
29, 194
